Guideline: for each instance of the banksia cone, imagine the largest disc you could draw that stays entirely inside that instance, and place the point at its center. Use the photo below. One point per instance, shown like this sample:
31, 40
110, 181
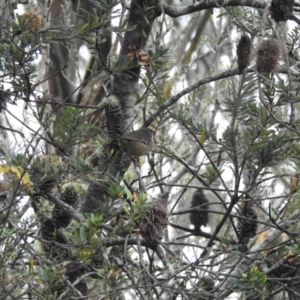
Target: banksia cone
268, 55
153, 222
243, 52
281, 10
45, 186
53, 240
199, 218
60, 216
43, 183
45, 173
246, 228
4, 189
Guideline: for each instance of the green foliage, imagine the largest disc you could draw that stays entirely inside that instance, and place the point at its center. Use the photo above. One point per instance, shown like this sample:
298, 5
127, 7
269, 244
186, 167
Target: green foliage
90, 25
293, 42
160, 56
79, 165
85, 239
22, 67
95, 220
114, 191
252, 281
73, 127
211, 174
295, 248
139, 204
51, 280
236, 134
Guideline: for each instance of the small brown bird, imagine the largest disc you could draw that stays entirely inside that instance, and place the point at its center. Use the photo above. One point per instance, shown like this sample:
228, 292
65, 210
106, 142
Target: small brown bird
137, 143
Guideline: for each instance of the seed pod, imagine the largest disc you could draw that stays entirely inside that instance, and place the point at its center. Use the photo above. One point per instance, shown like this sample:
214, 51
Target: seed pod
281, 10
243, 52
60, 216
199, 218
53, 240
46, 186
153, 222
45, 173
4, 189
246, 228
267, 55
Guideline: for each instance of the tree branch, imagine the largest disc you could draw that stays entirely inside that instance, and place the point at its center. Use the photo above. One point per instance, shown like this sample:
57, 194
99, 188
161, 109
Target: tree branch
175, 12
175, 98
257, 249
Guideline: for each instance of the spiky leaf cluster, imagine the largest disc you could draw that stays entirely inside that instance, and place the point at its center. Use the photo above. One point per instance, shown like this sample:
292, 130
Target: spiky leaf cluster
73, 127
257, 144
252, 282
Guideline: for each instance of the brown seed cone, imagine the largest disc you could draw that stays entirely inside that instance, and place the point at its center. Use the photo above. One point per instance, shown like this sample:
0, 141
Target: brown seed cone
153, 222
199, 218
267, 55
60, 216
246, 228
4, 189
46, 186
243, 52
281, 10
55, 243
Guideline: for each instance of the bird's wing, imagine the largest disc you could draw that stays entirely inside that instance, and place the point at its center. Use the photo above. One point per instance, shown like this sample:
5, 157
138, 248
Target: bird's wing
133, 139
